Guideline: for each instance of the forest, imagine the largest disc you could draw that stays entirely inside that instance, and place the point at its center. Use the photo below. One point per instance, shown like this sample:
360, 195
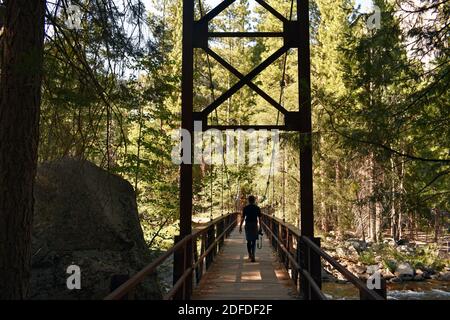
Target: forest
110, 93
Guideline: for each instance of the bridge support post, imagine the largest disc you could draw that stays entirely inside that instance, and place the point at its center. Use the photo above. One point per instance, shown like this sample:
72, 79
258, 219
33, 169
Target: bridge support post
182, 260
315, 268
305, 287
187, 123
310, 262
209, 241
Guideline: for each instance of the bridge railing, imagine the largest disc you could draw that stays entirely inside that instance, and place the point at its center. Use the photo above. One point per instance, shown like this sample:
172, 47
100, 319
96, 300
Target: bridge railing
302, 256
202, 244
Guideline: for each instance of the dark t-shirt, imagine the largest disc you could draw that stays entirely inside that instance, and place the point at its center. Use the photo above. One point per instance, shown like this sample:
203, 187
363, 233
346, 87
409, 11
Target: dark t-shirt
251, 212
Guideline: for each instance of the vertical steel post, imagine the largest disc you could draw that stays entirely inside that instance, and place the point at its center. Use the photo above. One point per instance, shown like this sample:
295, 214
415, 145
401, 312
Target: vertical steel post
304, 89
306, 179
187, 124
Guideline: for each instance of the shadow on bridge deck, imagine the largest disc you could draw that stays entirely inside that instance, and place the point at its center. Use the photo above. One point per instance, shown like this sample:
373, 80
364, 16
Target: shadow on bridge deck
233, 277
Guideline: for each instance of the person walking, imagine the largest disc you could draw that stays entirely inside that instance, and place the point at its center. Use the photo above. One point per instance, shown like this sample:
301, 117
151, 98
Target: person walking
251, 214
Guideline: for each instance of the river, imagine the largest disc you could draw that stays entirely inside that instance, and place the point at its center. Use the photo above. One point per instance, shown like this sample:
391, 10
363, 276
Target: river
423, 290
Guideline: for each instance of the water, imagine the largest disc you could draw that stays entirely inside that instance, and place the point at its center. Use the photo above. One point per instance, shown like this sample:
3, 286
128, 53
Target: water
424, 290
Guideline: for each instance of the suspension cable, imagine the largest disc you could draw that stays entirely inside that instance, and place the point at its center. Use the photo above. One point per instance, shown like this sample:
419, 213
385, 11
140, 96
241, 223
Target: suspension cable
211, 86
282, 86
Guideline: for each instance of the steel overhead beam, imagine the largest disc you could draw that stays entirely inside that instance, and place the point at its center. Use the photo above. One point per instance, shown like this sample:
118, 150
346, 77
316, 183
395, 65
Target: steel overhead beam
216, 11
227, 94
245, 127
266, 6
240, 76
245, 34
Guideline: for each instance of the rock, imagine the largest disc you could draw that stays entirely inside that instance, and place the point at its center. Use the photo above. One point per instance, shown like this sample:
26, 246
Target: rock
372, 269
363, 277
444, 276
395, 280
341, 278
389, 241
353, 253
418, 277
347, 235
358, 245
87, 217
377, 247
347, 253
428, 270
406, 248
355, 269
402, 248
344, 263
387, 274
378, 259
404, 271
341, 252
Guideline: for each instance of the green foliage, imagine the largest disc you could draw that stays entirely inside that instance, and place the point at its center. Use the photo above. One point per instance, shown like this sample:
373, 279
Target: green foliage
426, 256
367, 257
390, 264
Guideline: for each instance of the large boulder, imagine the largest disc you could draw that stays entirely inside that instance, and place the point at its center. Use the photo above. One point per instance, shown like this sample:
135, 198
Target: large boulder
444, 276
404, 271
87, 217
358, 245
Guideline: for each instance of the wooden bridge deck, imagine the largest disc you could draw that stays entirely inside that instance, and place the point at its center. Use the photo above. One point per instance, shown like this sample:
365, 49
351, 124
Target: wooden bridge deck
233, 277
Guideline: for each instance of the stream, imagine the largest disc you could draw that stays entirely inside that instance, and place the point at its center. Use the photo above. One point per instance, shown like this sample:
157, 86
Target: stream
424, 290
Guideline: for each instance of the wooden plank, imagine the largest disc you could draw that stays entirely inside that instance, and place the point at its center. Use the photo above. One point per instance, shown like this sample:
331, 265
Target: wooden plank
233, 277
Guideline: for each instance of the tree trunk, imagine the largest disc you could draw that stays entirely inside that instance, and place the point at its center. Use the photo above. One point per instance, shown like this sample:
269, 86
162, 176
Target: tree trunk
339, 188
401, 206
20, 92
394, 220
372, 202
437, 224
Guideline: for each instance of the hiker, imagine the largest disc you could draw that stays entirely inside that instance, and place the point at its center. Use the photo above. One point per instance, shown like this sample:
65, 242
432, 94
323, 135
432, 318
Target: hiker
251, 214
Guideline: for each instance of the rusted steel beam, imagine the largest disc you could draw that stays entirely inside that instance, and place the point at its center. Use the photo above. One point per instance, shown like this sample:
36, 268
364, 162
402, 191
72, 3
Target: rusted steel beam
245, 34
216, 11
251, 85
187, 123
247, 78
269, 8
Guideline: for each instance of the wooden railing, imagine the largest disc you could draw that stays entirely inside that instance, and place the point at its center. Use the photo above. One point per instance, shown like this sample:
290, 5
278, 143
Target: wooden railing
302, 256
202, 244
